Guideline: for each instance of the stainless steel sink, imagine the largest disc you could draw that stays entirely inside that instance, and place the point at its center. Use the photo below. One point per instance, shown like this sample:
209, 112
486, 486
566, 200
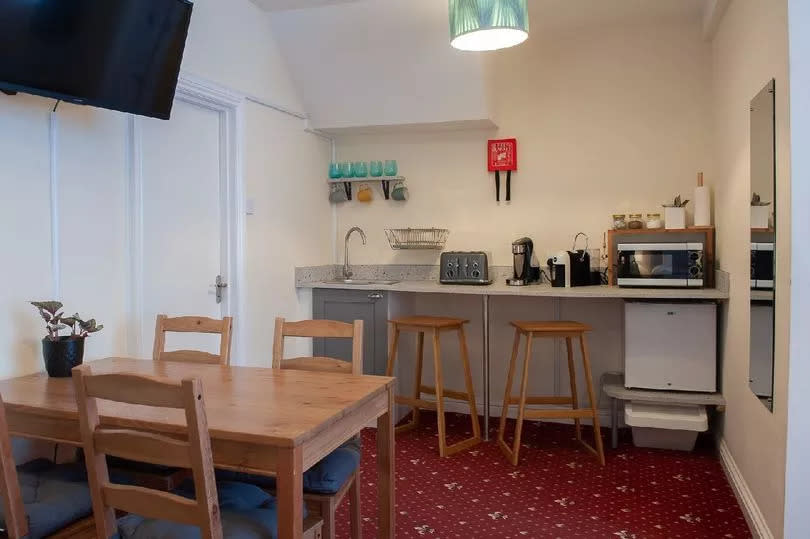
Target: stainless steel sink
362, 282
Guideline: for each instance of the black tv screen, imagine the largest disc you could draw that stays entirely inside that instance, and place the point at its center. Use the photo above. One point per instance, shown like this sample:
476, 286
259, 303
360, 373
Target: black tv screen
116, 54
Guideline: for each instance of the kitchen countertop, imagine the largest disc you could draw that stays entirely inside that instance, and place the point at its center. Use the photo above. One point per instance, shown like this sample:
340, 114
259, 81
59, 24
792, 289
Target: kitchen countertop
500, 288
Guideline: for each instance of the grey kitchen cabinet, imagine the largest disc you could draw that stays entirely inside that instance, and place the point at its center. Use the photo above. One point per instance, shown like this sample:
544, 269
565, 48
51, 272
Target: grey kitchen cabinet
347, 306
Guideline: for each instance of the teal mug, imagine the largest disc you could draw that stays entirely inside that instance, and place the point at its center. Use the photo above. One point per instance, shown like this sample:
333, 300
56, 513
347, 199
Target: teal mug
390, 168
334, 171
400, 192
360, 169
346, 170
376, 168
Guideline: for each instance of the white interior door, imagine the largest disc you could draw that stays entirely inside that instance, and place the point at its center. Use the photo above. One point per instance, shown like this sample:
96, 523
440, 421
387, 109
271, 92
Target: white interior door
183, 214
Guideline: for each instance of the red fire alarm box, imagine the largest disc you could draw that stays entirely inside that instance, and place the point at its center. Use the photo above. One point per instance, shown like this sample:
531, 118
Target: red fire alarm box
502, 155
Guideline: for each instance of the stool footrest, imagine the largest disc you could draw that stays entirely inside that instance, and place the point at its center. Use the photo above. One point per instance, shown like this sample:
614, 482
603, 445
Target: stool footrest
447, 393
461, 446
543, 400
416, 403
559, 414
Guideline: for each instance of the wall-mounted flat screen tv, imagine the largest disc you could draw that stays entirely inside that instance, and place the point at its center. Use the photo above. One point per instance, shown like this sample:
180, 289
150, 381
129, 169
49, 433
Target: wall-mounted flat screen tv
117, 54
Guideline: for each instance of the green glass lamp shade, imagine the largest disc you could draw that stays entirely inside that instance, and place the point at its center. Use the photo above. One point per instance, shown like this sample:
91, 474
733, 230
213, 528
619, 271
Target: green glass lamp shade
488, 25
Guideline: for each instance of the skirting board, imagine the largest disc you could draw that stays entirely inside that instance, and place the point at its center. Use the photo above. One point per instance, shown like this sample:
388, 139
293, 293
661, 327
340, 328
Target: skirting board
754, 517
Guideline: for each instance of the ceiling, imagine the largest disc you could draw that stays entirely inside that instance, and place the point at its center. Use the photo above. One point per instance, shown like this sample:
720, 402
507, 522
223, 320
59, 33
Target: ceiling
551, 13
282, 5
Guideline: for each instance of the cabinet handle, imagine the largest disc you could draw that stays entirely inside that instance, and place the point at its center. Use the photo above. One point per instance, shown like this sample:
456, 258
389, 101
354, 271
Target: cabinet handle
375, 295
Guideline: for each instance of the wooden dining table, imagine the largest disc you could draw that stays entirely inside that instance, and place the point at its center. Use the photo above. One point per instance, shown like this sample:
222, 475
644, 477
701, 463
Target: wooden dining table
261, 420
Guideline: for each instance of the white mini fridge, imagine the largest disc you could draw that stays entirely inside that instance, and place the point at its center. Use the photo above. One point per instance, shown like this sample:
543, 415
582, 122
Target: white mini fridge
670, 346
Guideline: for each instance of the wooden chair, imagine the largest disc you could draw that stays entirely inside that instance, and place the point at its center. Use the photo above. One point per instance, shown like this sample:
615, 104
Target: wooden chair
203, 510
193, 324
325, 504
163, 477
18, 523
435, 326
550, 330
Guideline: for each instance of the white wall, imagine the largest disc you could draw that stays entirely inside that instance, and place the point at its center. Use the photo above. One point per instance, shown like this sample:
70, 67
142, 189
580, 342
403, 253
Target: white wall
797, 518
230, 43
610, 118
291, 226
749, 49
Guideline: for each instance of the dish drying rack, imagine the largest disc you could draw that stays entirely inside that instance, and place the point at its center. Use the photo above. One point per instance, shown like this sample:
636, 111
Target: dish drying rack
416, 238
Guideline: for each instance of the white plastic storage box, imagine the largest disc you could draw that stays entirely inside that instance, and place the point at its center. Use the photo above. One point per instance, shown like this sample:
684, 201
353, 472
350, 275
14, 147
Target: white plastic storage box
665, 426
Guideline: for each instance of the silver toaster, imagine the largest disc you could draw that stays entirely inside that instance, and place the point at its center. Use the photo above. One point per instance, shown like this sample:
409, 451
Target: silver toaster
464, 268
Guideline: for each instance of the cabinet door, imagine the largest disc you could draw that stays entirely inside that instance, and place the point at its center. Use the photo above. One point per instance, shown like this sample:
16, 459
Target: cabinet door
347, 306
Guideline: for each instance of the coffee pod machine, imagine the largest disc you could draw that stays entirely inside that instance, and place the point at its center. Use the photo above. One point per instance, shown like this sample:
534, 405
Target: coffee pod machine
571, 268
525, 269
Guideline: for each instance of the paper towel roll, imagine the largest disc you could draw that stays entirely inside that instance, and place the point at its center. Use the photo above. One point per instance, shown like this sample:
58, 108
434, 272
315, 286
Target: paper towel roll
703, 213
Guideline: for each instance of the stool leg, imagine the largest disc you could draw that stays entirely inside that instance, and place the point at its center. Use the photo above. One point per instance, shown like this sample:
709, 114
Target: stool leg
586, 362
572, 375
522, 404
392, 352
437, 369
507, 398
465, 360
417, 390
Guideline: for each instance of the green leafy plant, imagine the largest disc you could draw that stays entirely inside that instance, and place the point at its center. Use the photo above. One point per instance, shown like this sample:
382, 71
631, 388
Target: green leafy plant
56, 321
757, 201
677, 203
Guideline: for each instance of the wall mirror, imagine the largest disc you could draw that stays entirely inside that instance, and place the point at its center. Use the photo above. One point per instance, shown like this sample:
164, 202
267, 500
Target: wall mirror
763, 243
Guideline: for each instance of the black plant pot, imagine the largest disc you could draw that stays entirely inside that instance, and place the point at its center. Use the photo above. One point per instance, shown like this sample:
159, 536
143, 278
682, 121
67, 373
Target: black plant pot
62, 355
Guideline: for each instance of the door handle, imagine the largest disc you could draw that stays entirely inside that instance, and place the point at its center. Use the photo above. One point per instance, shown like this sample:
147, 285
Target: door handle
220, 285
375, 296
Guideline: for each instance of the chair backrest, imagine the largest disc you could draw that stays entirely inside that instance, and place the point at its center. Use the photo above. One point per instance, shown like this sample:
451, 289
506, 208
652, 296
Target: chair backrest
13, 507
144, 446
317, 329
193, 324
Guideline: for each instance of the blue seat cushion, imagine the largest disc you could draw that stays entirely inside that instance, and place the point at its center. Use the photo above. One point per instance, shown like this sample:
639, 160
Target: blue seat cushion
325, 477
54, 495
247, 513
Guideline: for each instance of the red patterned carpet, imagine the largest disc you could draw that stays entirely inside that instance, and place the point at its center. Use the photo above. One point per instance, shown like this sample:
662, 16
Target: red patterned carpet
557, 491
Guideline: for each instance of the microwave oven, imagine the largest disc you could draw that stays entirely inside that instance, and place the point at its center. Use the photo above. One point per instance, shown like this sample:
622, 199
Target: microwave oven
762, 266
672, 265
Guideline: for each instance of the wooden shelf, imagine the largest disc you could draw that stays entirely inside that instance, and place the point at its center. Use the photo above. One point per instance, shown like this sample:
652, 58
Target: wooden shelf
763, 230
631, 231
707, 232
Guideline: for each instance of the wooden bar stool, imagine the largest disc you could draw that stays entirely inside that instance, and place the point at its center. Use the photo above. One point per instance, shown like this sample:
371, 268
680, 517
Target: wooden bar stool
548, 330
436, 325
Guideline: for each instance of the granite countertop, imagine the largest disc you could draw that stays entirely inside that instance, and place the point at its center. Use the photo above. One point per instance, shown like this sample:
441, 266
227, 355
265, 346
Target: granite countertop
423, 282
543, 290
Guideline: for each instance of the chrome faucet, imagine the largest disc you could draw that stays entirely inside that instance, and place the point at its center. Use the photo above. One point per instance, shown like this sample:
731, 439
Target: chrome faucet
346, 273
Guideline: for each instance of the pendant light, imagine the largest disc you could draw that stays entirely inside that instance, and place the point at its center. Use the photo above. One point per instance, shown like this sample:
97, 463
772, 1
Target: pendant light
488, 25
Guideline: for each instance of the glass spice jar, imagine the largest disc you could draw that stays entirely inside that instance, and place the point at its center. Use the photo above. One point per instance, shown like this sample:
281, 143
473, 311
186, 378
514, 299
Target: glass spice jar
654, 220
635, 221
619, 222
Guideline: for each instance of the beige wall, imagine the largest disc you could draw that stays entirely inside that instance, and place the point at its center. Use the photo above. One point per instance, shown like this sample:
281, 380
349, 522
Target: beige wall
749, 49
608, 119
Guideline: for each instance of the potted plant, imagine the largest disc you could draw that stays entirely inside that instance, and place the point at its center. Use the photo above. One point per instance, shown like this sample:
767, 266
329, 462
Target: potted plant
675, 214
760, 212
63, 352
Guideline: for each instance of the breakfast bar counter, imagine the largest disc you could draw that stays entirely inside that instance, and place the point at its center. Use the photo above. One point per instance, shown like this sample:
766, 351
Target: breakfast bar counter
424, 280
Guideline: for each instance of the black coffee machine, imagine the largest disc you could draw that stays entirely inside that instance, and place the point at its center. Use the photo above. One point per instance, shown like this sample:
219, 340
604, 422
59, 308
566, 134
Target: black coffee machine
523, 271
